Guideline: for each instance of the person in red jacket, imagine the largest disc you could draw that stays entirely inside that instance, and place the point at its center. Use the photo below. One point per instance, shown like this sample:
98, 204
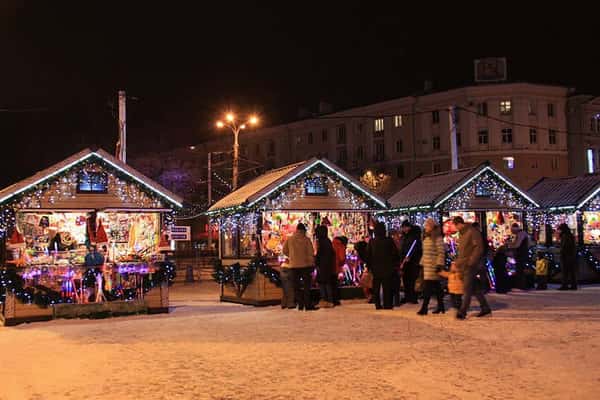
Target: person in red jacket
339, 246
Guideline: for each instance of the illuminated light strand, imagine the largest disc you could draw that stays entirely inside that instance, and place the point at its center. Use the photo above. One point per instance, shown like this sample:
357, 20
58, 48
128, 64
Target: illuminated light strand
486, 169
178, 204
308, 168
29, 186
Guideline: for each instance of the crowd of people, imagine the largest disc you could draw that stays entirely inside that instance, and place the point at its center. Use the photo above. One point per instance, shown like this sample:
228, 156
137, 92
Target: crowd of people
410, 264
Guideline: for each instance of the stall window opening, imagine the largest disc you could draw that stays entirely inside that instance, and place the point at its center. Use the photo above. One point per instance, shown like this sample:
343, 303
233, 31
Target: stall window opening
92, 182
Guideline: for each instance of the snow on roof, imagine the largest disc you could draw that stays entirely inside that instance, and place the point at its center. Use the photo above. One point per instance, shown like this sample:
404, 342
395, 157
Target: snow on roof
264, 185
568, 192
41, 176
426, 189
432, 190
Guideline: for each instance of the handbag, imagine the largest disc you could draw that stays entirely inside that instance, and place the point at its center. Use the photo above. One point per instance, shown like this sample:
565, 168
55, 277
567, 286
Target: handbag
419, 280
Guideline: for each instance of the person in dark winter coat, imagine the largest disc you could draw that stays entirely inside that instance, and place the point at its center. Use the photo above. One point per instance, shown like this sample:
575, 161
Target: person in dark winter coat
382, 259
325, 262
410, 260
500, 272
469, 261
568, 258
519, 248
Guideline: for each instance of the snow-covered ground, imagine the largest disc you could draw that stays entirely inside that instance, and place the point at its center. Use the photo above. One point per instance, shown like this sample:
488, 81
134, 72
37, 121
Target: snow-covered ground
537, 345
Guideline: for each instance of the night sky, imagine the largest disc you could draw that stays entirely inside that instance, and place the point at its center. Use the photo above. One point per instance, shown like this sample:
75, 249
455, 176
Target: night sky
61, 64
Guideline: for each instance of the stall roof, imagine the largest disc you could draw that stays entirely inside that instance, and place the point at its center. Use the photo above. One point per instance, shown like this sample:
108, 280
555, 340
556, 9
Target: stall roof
41, 176
261, 187
567, 192
430, 191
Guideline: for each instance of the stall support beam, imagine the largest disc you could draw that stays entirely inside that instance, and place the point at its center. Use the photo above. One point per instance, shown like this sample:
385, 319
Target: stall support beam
579, 229
549, 232
483, 219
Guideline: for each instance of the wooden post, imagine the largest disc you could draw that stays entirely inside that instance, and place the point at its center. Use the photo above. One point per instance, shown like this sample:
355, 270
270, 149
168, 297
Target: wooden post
579, 229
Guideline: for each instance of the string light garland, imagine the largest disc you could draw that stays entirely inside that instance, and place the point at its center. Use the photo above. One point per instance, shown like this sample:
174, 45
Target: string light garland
293, 189
63, 186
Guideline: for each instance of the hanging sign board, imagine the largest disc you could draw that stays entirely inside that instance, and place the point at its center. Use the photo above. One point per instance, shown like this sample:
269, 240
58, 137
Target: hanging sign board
181, 233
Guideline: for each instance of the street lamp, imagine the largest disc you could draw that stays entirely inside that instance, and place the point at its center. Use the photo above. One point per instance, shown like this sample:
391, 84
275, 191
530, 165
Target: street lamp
236, 126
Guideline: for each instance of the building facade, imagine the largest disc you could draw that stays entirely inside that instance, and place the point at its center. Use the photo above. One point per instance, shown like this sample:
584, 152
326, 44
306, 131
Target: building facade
584, 134
527, 131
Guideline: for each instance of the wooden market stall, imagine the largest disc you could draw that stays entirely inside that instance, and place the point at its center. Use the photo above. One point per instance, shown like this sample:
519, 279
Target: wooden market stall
256, 219
574, 201
50, 222
479, 194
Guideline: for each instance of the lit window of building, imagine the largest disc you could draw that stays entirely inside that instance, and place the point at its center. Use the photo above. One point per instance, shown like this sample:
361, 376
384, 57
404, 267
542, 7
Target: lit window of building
505, 107
590, 161
397, 121
509, 162
379, 127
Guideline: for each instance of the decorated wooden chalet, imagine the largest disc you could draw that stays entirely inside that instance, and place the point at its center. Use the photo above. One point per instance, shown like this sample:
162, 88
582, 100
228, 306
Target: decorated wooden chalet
256, 219
479, 194
574, 201
48, 220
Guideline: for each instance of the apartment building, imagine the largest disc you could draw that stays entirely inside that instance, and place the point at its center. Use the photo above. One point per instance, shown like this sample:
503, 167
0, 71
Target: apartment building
527, 131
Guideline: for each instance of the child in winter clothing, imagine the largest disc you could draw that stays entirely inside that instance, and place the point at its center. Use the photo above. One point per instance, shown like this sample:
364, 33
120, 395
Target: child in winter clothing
541, 271
455, 285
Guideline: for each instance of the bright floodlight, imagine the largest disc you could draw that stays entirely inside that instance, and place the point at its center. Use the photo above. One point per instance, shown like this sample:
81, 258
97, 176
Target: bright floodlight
253, 120
230, 117
219, 124
243, 126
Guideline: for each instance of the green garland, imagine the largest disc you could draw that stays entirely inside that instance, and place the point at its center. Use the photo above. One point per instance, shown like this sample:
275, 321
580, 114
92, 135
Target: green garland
11, 281
241, 277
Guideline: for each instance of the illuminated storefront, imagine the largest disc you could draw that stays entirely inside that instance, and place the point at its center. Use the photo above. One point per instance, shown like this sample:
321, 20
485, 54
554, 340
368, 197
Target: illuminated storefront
256, 219
50, 221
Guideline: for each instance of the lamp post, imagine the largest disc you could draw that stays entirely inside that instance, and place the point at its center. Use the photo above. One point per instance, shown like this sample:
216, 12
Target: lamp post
236, 126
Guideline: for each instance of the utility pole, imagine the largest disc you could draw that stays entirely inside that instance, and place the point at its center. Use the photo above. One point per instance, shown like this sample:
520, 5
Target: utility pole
236, 157
209, 180
121, 150
453, 143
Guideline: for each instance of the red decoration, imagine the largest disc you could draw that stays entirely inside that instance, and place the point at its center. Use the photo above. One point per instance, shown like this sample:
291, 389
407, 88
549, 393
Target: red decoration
16, 240
101, 237
500, 218
164, 243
